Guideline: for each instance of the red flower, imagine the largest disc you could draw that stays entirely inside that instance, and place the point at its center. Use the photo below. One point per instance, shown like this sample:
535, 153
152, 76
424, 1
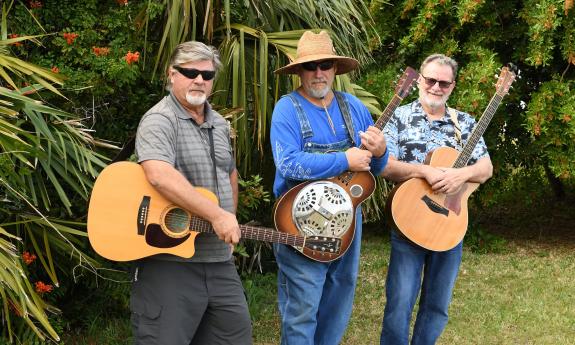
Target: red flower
70, 37
17, 44
132, 57
101, 51
42, 288
122, 2
55, 69
35, 4
28, 258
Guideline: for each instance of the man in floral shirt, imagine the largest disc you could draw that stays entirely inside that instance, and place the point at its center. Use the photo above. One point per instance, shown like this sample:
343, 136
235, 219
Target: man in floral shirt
415, 130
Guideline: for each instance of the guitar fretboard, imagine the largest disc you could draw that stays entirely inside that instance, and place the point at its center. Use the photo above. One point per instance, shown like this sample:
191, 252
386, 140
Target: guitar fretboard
478, 131
252, 232
386, 115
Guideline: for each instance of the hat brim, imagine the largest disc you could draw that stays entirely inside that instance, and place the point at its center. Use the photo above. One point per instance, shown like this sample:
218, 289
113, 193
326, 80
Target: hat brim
344, 64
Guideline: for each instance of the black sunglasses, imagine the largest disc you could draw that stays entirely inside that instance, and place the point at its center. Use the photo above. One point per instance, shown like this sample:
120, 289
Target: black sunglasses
313, 65
193, 73
442, 83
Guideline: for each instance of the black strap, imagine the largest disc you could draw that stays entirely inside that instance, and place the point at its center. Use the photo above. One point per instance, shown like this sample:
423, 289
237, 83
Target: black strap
127, 150
213, 154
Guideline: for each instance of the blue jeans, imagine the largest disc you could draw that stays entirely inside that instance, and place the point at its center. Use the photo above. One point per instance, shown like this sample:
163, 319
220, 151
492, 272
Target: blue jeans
407, 263
315, 298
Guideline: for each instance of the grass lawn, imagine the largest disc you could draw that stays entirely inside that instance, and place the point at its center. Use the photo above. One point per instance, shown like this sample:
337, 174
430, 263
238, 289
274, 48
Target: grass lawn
523, 293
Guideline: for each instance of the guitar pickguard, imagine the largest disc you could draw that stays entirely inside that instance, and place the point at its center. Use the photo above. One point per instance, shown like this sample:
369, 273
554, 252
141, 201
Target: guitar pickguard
156, 237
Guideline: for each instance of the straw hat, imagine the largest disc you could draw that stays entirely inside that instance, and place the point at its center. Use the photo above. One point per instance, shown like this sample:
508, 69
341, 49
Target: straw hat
314, 47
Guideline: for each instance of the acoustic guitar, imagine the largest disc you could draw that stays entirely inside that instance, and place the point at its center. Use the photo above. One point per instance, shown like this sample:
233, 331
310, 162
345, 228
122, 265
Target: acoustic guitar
436, 221
128, 220
327, 207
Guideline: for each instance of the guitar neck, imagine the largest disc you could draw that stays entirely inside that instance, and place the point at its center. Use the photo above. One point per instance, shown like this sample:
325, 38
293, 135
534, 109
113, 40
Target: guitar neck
478, 131
252, 232
386, 115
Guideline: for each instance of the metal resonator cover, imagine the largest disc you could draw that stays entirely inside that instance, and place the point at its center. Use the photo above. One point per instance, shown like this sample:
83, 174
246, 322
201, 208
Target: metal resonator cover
322, 208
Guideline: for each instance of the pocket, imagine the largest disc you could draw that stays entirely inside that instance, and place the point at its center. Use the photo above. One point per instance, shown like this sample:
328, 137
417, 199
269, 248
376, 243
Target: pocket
145, 318
339, 146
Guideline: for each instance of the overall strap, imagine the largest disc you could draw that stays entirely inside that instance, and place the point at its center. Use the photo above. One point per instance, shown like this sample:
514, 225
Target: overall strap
346, 113
306, 131
453, 115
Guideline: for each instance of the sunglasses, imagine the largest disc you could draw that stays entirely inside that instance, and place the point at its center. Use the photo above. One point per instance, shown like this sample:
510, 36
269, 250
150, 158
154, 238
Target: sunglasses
432, 81
313, 65
192, 73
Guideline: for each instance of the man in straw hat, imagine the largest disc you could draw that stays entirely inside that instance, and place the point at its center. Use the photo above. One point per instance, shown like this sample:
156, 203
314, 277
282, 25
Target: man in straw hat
315, 134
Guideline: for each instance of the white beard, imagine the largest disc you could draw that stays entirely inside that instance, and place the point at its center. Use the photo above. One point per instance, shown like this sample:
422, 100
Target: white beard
196, 100
321, 93
432, 103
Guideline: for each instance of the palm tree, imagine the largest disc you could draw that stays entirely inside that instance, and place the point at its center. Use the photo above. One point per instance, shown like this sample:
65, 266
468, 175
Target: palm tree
255, 38
46, 162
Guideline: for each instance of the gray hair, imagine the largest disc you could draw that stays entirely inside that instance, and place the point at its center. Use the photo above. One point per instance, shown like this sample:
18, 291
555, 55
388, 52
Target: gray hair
442, 60
193, 51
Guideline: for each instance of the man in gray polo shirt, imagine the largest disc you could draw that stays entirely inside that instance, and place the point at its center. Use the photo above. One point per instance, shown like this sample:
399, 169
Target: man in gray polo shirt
181, 144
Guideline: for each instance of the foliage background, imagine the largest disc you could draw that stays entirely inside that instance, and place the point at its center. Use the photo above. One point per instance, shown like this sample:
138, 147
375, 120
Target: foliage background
109, 57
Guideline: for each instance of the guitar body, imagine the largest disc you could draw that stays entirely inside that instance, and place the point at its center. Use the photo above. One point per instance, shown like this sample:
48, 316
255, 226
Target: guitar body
128, 220
436, 222
116, 227
358, 186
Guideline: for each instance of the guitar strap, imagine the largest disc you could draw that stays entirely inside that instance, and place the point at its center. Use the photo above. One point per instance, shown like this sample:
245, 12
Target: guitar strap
453, 115
213, 154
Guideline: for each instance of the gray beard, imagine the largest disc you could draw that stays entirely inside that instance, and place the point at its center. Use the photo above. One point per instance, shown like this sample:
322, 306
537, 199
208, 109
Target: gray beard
196, 100
432, 104
319, 94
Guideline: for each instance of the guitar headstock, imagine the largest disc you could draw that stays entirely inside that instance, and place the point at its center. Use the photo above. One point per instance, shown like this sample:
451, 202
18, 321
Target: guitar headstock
405, 83
506, 78
323, 244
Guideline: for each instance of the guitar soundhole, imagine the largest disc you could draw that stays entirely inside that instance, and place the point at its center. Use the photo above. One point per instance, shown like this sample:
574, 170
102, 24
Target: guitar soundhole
177, 222
155, 237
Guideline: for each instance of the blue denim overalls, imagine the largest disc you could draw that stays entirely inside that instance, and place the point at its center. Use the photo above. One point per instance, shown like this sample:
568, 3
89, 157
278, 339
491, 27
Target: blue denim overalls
315, 299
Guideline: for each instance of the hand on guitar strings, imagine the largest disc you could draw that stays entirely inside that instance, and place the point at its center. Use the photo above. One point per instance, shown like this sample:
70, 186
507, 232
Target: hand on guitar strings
226, 227
358, 159
448, 180
373, 140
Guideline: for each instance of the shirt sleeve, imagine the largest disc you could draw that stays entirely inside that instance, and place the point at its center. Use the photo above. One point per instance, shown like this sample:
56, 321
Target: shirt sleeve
155, 139
391, 133
291, 161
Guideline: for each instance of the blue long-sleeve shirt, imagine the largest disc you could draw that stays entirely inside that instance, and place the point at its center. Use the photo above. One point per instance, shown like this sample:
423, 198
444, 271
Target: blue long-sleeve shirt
293, 163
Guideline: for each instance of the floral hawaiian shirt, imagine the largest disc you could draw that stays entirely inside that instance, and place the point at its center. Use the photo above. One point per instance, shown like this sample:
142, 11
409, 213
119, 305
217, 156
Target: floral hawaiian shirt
410, 135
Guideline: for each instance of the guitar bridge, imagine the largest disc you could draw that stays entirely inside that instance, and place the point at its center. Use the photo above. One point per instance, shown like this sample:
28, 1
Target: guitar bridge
143, 215
434, 206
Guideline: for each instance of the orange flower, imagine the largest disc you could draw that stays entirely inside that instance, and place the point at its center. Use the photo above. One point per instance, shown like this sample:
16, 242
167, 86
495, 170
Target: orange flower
28, 258
132, 57
101, 51
122, 2
43, 288
55, 69
17, 44
35, 4
70, 37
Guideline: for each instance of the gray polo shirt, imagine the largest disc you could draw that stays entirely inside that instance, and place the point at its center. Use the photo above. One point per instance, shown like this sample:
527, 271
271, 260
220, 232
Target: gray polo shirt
167, 133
